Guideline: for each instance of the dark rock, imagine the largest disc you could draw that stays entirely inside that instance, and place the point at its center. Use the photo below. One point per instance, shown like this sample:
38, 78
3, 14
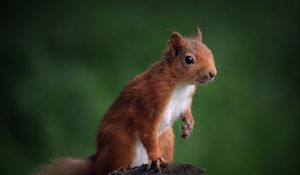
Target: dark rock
171, 169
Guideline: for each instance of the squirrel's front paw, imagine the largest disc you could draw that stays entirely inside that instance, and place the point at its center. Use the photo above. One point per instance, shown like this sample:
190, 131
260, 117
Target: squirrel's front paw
158, 163
187, 126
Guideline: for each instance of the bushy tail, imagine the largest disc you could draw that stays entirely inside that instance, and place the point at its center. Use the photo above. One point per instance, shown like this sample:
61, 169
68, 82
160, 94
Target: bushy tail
67, 166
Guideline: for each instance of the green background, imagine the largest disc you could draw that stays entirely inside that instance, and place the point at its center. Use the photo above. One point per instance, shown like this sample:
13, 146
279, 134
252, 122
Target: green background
63, 63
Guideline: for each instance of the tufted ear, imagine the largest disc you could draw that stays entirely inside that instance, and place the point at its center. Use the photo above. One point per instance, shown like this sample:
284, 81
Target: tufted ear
176, 41
198, 34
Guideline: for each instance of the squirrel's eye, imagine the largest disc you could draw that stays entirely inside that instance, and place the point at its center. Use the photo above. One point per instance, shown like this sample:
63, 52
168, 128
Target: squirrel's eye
189, 60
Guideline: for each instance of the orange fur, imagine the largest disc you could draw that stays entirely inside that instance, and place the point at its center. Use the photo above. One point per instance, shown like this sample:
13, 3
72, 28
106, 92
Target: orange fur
67, 166
166, 143
140, 108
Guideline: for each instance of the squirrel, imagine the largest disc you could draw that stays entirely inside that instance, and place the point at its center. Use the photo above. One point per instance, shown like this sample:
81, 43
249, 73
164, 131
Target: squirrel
137, 128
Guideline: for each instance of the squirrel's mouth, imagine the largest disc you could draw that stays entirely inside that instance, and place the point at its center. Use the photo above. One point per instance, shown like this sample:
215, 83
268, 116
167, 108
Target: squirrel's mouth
203, 80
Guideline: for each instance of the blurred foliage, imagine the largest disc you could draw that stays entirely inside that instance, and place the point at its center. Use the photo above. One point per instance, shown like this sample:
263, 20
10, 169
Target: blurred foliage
63, 63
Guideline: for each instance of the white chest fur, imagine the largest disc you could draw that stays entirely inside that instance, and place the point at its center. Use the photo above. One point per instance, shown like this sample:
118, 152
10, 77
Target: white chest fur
179, 101
141, 156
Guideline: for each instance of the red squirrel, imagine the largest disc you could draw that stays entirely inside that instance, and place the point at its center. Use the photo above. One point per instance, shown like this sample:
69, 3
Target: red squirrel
137, 128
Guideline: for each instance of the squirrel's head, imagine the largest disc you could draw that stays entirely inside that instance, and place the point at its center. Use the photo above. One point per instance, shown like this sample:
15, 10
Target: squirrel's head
189, 58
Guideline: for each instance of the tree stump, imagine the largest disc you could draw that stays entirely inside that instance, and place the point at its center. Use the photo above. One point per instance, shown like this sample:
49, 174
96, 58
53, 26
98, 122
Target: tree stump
171, 169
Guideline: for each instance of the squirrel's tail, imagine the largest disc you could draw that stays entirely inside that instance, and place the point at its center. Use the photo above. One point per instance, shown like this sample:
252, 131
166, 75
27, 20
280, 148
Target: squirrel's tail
67, 166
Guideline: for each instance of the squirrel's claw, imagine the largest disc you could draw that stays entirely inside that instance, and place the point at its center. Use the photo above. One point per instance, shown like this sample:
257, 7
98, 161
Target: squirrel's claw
158, 163
149, 165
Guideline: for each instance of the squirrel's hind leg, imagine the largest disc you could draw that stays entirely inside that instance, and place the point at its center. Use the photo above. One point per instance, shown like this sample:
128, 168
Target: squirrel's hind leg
166, 143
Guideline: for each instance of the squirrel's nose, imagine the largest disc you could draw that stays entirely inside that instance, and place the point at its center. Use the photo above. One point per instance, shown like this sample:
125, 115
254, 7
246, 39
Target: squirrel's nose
211, 75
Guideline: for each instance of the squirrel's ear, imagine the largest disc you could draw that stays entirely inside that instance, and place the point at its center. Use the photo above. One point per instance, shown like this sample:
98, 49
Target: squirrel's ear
176, 41
198, 34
